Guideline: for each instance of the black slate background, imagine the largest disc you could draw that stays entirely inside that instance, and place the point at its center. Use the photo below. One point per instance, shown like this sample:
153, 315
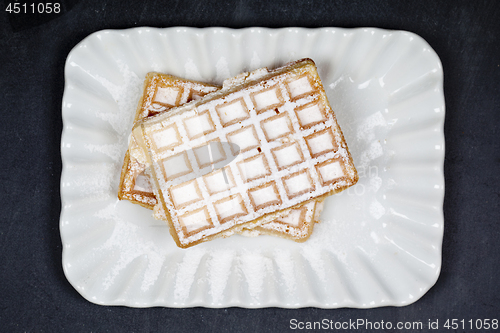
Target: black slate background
34, 294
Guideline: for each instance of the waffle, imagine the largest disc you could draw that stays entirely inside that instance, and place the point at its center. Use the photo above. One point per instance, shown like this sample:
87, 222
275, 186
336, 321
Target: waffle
135, 184
291, 152
161, 92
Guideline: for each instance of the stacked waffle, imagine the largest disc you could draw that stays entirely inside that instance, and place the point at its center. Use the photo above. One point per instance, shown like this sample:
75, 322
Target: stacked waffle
257, 156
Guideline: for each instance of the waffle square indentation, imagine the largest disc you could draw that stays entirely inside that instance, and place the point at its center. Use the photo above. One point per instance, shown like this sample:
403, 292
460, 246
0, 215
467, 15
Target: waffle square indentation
219, 180
299, 87
168, 96
195, 221
254, 167
230, 208
199, 125
209, 154
185, 194
277, 126
331, 170
166, 138
266, 99
175, 166
245, 138
142, 184
287, 155
264, 195
298, 183
321, 142
232, 112
295, 218
310, 114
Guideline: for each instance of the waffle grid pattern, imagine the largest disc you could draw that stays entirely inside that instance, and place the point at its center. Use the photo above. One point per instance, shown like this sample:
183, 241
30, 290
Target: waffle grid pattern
287, 111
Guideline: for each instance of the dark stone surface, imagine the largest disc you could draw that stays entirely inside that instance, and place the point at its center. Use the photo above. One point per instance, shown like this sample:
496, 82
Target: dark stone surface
35, 295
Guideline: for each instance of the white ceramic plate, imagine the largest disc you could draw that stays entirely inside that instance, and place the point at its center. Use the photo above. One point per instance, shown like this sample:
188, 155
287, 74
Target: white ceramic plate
379, 242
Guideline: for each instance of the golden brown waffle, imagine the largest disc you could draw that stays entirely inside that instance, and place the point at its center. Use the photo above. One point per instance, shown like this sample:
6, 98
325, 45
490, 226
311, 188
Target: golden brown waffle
135, 185
161, 92
292, 152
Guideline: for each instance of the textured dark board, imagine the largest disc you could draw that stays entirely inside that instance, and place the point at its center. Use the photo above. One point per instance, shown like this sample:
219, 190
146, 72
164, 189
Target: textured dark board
35, 295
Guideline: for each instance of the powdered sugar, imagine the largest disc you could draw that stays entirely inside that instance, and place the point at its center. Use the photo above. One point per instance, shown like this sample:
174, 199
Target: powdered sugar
126, 241
191, 71
255, 61
286, 266
186, 273
313, 256
114, 151
255, 269
93, 181
222, 70
376, 209
219, 269
126, 96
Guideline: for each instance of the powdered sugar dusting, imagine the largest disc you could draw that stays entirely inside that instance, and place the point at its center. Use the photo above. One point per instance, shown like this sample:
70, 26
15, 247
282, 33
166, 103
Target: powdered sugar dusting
126, 96
255, 61
219, 267
376, 209
366, 129
94, 181
120, 122
313, 256
114, 151
186, 273
192, 71
253, 266
126, 242
155, 262
374, 151
286, 266
222, 70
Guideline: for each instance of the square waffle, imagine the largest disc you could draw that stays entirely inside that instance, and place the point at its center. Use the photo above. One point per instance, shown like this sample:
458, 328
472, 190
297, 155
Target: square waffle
300, 153
161, 92
135, 184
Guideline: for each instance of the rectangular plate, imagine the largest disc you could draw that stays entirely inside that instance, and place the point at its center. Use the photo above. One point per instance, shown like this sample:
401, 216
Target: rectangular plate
379, 242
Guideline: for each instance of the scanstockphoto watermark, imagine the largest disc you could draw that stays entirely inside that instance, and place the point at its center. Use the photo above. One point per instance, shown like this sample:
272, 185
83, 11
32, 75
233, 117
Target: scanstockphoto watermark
358, 324
365, 325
